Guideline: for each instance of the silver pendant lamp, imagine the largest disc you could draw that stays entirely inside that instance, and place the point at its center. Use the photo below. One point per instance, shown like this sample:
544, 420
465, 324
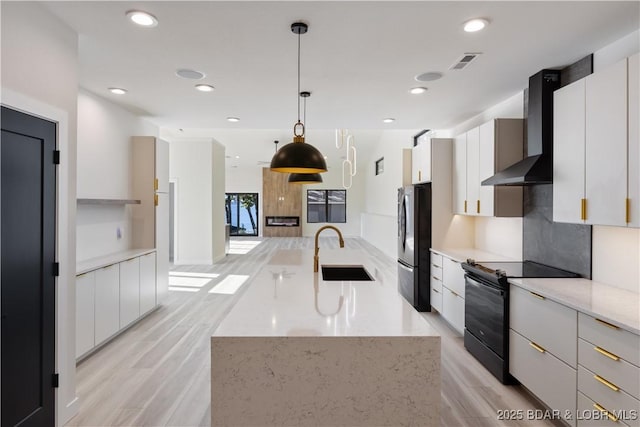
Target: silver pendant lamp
298, 156
305, 178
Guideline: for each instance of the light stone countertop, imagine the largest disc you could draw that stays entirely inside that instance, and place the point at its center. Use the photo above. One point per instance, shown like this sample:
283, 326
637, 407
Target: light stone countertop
90, 264
617, 306
286, 298
462, 254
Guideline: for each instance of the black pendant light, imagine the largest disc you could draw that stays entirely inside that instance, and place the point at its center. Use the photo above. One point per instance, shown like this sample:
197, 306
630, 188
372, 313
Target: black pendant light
297, 156
305, 178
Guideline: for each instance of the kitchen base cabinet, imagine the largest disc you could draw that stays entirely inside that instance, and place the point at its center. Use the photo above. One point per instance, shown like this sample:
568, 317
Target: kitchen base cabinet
107, 302
605, 392
85, 333
546, 376
147, 282
129, 291
453, 309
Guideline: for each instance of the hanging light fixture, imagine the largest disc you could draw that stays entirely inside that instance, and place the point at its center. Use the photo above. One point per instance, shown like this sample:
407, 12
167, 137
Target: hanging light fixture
297, 156
305, 178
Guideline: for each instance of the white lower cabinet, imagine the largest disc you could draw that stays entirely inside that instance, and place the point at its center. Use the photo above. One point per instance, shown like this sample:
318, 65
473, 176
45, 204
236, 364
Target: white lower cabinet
546, 376
453, 308
147, 282
590, 415
85, 334
107, 302
129, 291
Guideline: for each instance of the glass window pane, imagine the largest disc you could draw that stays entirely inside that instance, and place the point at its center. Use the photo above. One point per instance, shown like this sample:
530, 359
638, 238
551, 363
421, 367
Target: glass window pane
316, 213
337, 212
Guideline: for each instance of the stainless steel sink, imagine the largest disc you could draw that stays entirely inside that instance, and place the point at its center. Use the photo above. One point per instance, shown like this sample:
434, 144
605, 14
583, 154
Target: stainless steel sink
345, 273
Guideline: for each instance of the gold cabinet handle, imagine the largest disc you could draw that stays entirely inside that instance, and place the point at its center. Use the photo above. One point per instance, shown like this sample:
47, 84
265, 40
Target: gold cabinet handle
606, 353
607, 413
435, 290
537, 295
419, 175
627, 214
607, 324
155, 199
155, 184
611, 385
465, 206
455, 294
436, 265
434, 277
583, 209
478, 206
537, 347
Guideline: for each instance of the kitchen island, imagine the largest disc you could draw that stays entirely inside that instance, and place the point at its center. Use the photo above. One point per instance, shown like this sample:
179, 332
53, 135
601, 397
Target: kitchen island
299, 350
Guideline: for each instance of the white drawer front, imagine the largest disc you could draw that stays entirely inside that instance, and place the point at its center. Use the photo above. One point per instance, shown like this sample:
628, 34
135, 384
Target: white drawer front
605, 392
436, 298
589, 416
603, 362
436, 259
453, 275
547, 323
436, 271
436, 284
616, 340
550, 379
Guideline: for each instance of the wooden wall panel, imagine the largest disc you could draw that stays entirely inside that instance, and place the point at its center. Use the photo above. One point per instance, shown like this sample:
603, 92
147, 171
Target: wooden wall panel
279, 198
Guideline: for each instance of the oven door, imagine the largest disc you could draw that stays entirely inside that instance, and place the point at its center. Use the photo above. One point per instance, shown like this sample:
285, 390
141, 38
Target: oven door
484, 313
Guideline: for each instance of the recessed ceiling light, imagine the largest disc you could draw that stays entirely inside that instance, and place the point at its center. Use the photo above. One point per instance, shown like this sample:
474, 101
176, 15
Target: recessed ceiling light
141, 18
428, 76
186, 73
233, 119
325, 157
237, 157
474, 25
389, 120
205, 88
417, 90
117, 90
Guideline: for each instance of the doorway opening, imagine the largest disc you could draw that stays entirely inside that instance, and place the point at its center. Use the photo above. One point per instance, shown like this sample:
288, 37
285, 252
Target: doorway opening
241, 212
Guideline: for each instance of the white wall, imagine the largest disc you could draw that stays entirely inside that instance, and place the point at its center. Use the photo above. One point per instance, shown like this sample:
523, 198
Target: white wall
104, 171
499, 236
197, 166
332, 180
246, 180
510, 108
379, 216
39, 76
616, 250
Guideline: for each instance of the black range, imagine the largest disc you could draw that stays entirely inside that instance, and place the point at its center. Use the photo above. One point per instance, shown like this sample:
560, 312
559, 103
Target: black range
487, 308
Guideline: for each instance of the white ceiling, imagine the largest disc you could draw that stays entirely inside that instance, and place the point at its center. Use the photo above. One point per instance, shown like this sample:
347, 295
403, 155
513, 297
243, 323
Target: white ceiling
359, 60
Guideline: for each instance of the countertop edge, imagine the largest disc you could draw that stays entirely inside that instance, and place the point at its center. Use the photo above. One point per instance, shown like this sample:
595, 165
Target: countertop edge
461, 254
576, 306
91, 264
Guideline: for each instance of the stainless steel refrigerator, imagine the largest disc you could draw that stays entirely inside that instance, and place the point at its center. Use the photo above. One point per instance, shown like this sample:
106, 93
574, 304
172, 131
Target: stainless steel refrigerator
414, 242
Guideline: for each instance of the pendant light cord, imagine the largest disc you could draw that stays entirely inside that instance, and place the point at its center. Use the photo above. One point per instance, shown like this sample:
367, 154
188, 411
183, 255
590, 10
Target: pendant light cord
298, 94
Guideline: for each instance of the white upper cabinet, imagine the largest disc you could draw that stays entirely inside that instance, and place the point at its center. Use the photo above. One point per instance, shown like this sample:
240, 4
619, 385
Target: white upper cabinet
568, 152
473, 171
634, 142
421, 161
595, 161
459, 174
480, 153
606, 145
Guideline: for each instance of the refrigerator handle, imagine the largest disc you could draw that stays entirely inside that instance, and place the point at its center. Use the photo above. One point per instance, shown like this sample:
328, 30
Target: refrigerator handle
403, 222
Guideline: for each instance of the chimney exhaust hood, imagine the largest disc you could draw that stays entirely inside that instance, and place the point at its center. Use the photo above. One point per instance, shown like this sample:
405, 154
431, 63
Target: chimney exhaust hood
537, 168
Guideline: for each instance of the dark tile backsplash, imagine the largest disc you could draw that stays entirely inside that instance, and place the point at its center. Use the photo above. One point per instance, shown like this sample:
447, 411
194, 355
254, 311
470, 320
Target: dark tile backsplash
565, 246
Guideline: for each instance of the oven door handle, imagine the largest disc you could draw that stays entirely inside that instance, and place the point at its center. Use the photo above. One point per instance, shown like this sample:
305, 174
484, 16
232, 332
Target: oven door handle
470, 281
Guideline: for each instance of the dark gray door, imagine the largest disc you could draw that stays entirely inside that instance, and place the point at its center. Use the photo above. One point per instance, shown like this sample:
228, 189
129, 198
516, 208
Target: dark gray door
28, 197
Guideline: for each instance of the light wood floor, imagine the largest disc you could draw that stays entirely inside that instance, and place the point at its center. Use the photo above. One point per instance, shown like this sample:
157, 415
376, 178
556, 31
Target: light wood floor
157, 373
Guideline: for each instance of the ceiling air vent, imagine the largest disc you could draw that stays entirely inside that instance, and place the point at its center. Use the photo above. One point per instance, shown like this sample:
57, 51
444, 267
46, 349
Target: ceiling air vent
464, 60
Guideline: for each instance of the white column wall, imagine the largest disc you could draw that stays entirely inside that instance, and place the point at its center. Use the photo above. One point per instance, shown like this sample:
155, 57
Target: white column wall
218, 219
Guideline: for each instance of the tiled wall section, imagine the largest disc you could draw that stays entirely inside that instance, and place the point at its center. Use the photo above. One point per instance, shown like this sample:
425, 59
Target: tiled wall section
566, 246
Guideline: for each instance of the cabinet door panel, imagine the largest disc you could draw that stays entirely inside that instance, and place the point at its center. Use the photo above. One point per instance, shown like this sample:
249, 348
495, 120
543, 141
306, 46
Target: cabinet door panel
634, 140
568, 152
107, 302
459, 177
473, 170
606, 145
162, 165
129, 291
486, 167
453, 275
453, 309
85, 296
147, 282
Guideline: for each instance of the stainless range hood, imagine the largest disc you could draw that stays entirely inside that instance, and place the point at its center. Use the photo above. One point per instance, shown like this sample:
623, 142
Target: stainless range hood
537, 168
